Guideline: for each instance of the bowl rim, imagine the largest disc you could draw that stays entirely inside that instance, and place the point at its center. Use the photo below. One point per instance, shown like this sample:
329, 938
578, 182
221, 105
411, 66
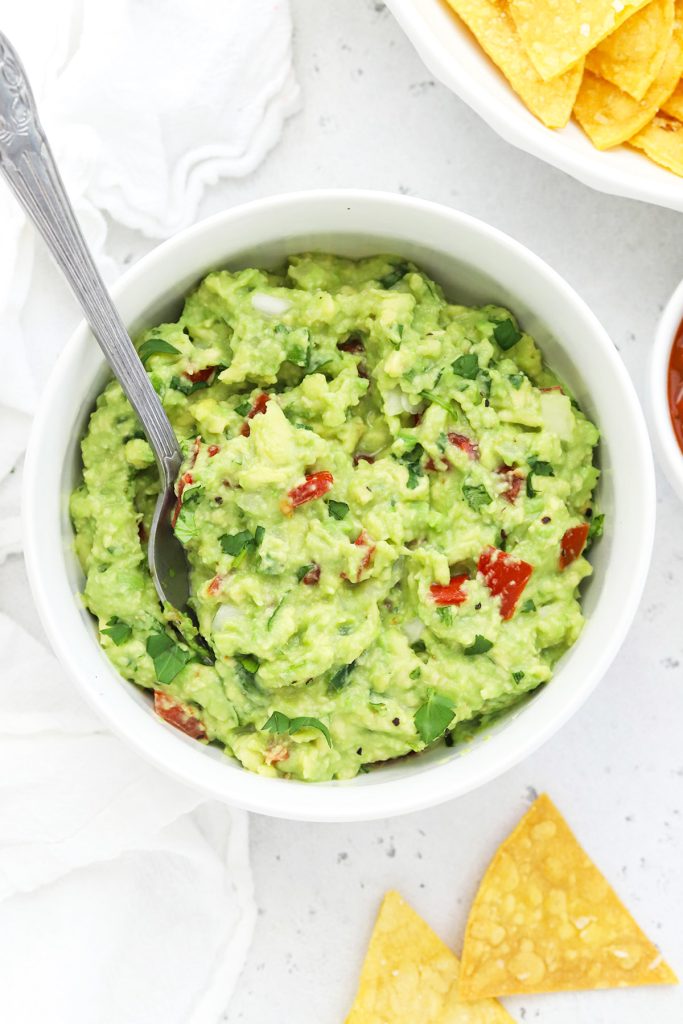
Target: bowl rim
597, 168
170, 750
668, 448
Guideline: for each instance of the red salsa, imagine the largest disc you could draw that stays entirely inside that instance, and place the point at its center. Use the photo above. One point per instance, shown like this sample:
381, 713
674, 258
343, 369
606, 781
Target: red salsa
676, 386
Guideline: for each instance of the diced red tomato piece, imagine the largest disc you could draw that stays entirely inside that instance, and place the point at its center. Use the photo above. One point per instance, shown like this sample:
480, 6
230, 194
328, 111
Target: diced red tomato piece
505, 576
196, 445
514, 483
259, 406
314, 486
354, 345
572, 544
213, 449
278, 752
215, 585
363, 541
450, 593
555, 387
465, 444
461, 441
199, 376
416, 419
178, 715
362, 457
142, 532
312, 576
185, 479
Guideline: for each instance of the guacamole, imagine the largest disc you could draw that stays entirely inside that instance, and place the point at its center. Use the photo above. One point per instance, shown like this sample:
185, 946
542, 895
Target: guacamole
386, 502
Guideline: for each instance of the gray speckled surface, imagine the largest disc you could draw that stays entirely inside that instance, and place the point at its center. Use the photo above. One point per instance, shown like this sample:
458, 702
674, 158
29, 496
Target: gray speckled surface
372, 117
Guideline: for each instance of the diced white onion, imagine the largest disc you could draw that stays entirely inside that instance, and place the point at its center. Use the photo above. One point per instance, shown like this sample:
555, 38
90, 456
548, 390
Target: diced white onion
271, 305
556, 411
413, 629
226, 613
395, 402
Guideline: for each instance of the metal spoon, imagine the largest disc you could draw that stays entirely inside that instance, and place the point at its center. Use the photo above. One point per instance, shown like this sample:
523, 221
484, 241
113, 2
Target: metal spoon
29, 167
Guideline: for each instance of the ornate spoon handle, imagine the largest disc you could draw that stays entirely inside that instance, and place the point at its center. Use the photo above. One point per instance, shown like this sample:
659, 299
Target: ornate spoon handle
29, 167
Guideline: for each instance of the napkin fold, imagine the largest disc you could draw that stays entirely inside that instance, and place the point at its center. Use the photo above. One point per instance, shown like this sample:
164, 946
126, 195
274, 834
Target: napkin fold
124, 895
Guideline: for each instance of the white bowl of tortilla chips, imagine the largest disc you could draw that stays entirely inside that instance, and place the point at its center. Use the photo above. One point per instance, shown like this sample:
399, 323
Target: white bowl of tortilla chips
484, 55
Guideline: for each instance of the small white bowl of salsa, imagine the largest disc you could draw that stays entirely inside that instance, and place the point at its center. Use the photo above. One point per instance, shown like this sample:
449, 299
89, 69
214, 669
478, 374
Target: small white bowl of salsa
666, 390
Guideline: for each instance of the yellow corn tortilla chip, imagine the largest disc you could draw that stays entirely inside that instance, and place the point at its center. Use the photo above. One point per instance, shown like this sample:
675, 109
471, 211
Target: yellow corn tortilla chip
410, 976
662, 141
490, 22
558, 33
546, 920
632, 57
609, 116
674, 105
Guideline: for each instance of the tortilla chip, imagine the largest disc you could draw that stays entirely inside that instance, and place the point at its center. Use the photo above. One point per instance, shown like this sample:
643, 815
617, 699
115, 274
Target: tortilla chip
609, 116
409, 975
674, 105
662, 141
490, 22
632, 57
546, 920
558, 33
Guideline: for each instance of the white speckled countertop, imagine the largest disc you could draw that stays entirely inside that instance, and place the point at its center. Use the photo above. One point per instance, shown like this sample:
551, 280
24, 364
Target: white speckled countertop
372, 117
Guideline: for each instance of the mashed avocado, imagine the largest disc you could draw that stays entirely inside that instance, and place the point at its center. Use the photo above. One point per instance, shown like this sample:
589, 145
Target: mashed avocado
384, 503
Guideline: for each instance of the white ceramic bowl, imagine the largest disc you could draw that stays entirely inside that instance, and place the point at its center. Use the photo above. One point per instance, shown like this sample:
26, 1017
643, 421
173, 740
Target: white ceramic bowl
453, 56
670, 455
475, 264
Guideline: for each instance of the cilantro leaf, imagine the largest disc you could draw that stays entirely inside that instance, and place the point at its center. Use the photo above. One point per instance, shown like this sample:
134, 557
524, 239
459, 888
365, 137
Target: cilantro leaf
279, 722
341, 677
411, 460
169, 657
518, 676
528, 606
337, 509
476, 496
233, 543
467, 366
530, 492
302, 570
541, 468
117, 630
480, 646
185, 527
595, 529
156, 346
187, 387
506, 334
433, 397
259, 534
516, 379
434, 716
243, 408
394, 276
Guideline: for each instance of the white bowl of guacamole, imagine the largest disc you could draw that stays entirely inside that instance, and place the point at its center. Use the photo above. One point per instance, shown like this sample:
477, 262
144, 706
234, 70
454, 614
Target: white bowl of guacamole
417, 502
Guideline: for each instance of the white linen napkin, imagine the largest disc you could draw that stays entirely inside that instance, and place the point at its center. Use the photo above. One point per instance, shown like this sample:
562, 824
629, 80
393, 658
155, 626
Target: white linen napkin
124, 895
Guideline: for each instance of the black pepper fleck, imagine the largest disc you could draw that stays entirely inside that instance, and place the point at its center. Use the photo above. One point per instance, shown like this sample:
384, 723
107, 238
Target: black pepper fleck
396, 721
546, 519
486, 403
477, 606
359, 751
218, 499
